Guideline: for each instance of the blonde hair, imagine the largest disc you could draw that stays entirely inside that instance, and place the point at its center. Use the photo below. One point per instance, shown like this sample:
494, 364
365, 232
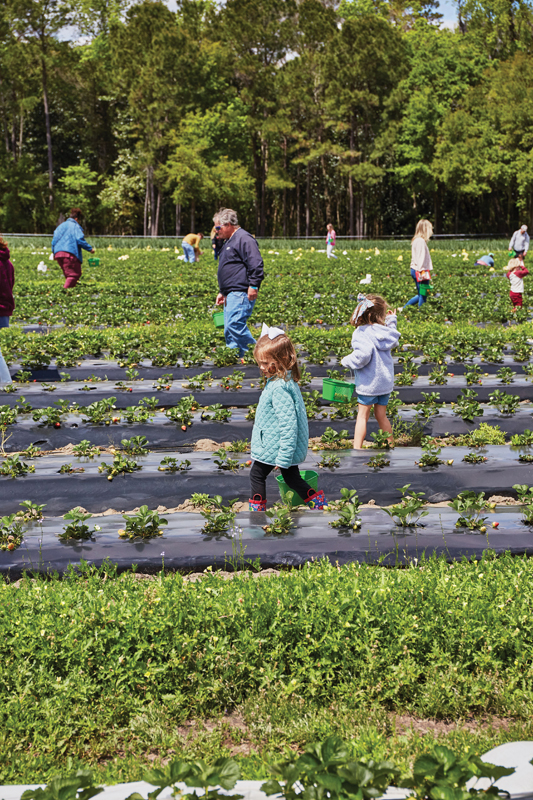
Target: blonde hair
513, 263
281, 354
3, 244
372, 316
424, 230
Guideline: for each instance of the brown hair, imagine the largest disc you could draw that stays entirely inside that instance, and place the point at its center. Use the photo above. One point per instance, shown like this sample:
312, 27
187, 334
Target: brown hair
76, 213
282, 355
3, 244
373, 315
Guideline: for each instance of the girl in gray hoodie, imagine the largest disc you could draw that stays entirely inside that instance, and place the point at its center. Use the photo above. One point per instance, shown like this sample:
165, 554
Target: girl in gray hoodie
374, 338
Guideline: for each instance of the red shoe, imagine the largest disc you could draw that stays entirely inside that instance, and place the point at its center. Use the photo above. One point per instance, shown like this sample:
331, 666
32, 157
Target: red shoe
317, 501
256, 503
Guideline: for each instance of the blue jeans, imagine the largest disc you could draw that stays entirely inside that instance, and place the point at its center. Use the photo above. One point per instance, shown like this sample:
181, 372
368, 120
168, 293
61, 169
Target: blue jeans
237, 311
419, 299
4, 322
188, 249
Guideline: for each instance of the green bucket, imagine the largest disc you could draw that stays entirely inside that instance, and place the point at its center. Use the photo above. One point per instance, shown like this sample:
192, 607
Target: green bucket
309, 476
218, 319
337, 391
424, 288
94, 262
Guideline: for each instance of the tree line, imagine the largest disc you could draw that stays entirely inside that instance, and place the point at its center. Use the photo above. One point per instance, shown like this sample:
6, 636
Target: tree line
365, 113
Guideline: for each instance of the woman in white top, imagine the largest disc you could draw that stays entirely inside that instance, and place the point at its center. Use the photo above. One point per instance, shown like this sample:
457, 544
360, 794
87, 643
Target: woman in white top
420, 260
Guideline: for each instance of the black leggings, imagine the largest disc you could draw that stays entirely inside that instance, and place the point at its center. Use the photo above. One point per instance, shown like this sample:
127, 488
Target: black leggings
291, 476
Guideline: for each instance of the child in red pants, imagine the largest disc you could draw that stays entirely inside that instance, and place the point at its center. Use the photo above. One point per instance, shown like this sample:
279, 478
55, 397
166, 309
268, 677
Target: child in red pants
516, 274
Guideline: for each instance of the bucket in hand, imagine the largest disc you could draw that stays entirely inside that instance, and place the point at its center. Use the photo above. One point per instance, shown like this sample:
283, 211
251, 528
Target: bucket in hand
337, 391
218, 319
309, 476
94, 262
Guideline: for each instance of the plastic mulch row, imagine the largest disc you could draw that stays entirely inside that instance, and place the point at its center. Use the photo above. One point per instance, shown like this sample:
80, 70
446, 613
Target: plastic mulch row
149, 486
183, 547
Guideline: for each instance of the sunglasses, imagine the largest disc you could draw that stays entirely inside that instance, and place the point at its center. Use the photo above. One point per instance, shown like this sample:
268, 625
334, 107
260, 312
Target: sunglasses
218, 227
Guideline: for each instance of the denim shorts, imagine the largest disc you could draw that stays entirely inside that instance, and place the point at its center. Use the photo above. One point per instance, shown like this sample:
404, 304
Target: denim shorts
372, 400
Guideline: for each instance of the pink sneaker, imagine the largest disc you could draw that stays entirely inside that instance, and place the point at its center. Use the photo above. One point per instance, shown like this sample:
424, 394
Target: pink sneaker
317, 501
256, 503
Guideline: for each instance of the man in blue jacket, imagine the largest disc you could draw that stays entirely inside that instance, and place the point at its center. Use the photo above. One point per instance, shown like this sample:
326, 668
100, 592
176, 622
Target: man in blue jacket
67, 244
240, 274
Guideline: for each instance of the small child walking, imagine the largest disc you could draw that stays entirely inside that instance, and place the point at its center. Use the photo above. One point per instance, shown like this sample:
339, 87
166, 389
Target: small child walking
280, 435
517, 271
331, 240
373, 340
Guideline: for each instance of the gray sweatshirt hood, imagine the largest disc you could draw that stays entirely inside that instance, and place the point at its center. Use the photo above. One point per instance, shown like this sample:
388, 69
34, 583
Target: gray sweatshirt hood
382, 337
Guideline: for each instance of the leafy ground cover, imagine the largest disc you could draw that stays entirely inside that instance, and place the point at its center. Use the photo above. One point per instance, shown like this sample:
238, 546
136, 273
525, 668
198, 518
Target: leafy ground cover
115, 673
301, 286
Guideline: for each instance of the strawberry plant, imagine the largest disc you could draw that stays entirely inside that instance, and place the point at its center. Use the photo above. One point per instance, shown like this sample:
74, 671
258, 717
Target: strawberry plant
474, 458
473, 375
170, 464
85, 449
430, 454
13, 467
348, 508
119, 466
136, 446
333, 437
467, 406
163, 383
408, 512
524, 439
439, 375
507, 404
101, 411
217, 412
281, 522
68, 469
31, 511
8, 416
525, 495
197, 382
224, 462
76, 528
312, 403
218, 517
470, 506
329, 461
250, 414
11, 531
239, 446
182, 412
378, 462
136, 414
381, 439
506, 375
145, 524
429, 406
525, 458
233, 381
32, 451
225, 356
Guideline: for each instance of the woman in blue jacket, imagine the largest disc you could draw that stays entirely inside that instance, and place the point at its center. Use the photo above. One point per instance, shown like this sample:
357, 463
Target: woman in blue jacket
67, 244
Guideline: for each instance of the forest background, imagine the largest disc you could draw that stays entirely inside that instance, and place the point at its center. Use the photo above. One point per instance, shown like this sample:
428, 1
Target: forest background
368, 114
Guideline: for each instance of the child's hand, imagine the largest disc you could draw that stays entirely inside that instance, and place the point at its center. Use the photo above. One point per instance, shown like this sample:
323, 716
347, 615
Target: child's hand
391, 311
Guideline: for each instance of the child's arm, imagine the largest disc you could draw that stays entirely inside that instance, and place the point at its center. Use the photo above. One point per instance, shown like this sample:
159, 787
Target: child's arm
285, 411
521, 272
391, 320
361, 355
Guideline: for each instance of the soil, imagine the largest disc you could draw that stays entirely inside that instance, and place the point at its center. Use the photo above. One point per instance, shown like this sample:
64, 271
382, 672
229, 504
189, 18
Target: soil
405, 723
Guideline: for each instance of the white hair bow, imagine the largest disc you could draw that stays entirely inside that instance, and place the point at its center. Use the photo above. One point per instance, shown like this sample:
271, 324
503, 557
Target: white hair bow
364, 305
272, 333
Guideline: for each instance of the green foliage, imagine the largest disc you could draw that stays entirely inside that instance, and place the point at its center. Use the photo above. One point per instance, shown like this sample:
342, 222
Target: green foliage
144, 524
119, 466
281, 521
13, 467
443, 775
218, 517
79, 786
77, 529
11, 532
136, 446
470, 506
408, 512
171, 464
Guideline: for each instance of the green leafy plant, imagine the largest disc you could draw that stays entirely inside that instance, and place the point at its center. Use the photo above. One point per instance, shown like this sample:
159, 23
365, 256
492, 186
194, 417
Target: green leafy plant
381, 439
233, 381
348, 507
525, 495
183, 411
505, 403
13, 467
31, 511
68, 469
132, 374
145, 524
136, 446
429, 406
281, 522
197, 382
200, 500
138, 414
239, 446
430, 454
470, 506
164, 383
442, 775
11, 532
439, 375
8, 416
329, 461
32, 451
408, 512
79, 786
217, 412
394, 405
474, 458
331, 436
467, 406
224, 462
250, 414
120, 466
170, 464
506, 375
85, 449
312, 403
327, 770
101, 411
224, 773
524, 439
218, 517
378, 462
485, 434
525, 458
77, 528
22, 376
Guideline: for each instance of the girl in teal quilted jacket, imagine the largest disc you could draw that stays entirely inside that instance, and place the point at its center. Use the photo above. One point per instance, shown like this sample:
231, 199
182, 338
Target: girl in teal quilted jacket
280, 435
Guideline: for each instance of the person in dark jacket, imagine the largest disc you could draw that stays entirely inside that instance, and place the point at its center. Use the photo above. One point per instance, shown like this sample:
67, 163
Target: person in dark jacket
67, 244
7, 304
240, 274
7, 281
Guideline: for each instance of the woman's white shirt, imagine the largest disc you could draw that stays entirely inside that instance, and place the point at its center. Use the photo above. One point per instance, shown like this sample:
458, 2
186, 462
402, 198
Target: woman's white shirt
420, 256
